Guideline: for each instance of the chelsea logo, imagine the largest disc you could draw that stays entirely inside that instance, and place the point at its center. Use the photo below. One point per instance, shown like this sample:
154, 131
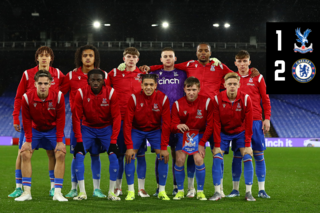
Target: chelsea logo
303, 70
302, 39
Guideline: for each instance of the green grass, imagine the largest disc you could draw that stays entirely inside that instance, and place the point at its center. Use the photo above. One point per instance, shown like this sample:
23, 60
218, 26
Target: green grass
292, 182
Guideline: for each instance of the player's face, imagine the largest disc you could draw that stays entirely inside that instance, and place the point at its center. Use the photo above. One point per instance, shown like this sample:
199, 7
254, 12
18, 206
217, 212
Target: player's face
168, 58
192, 92
232, 85
242, 64
203, 53
130, 60
44, 59
96, 82
88, 58
43, 84
148, 86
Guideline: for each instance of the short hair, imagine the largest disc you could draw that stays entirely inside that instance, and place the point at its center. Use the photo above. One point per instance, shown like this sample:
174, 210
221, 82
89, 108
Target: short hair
167, 49
205, 44
242, 54
131, 51
189, 82
96, 71
44, 49
231, 75
149, 76
78, 56
42, 73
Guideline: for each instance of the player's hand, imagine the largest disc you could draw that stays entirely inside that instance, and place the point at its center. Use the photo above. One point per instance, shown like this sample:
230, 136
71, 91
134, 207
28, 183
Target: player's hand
78, 148
26, 147
254, 72
202, 151
130, 154
216, 150
17, 127
216, 61
60, 147
144, 68
183, 127
113, 148
247, 150
266, 126
164, 154
122, 67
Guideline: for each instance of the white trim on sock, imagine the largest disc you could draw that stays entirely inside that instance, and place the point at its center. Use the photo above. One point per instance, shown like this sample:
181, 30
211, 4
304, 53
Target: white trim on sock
81, 186
131, 187
141, 183
19, 185
119, 183
27, 189
112, 185
217, 188
74, 185
57, 190
261, 185
52, 185
248, 188
190, 183
236, 185
162, 188
96, 184
221, 185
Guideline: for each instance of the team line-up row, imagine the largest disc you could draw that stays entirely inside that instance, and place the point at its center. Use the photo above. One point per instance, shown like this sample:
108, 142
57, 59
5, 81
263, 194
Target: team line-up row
177, 104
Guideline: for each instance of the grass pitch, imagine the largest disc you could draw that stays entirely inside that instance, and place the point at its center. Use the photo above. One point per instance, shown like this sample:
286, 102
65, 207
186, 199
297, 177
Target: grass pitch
292, 182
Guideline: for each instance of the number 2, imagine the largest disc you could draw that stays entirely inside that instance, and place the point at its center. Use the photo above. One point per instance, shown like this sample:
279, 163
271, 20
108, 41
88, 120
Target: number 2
281, 70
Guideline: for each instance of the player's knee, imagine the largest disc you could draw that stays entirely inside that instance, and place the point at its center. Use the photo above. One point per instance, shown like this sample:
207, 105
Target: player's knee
50, 153
198, 160
26, 156
60, 156
180, 160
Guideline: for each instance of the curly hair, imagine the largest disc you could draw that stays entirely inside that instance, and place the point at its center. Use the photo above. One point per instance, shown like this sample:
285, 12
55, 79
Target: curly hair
44, 49
78, 56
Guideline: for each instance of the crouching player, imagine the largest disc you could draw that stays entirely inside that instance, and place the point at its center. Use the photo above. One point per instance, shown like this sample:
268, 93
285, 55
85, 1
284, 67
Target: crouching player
192, 118
97, 106
43, 117
147, 117
232, 122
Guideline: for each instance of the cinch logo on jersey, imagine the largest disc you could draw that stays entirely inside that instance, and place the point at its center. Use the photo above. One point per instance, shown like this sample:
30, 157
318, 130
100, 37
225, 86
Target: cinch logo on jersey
303, 70
302, 39
168, 81
155, 108
199, 114
51, 106
104, 102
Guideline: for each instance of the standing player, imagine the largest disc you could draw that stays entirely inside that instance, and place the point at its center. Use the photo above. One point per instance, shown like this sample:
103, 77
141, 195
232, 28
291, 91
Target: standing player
232, 122
147, 117
87, 58
44, 58
126, 83
97, 106
43, 116
256, 89
195, 113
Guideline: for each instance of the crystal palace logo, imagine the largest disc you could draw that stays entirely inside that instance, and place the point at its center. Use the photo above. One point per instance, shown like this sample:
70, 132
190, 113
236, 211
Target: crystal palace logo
302, 39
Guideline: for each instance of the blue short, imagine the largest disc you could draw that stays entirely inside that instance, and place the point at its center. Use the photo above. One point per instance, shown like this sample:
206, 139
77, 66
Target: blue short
236, 139
180, 139
90, 136
46, 140
139, 137
258, 141
95, 148
122, 146
173, 141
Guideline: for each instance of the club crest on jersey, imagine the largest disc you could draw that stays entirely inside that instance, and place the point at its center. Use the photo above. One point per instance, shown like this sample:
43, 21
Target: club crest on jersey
185, 112
50, 106
35, 104
138, 77
250, 80
302, 39
104, 102
238, 107
141, 104
196, 65
155, 108
199, 114
303, 70
175, 74
224, 105
88, 99
212, 68
79, 77
160, 73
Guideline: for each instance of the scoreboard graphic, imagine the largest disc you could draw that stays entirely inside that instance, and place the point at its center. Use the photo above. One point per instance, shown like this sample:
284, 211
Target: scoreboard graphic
293, 57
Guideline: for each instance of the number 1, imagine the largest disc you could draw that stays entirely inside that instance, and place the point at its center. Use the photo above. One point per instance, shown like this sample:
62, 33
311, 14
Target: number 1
279, 39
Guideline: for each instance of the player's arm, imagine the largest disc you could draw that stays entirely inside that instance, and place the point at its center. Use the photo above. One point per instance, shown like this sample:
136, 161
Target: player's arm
61, 121
65, 86
248, 121
77, 115
209, 128
116, 118
22, 88
166, 120
62, 77
127, 123
107, 80
265, 103
26, 118
176, 125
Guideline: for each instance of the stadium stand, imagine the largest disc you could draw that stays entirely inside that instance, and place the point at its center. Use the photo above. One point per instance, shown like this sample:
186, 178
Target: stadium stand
296, 115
